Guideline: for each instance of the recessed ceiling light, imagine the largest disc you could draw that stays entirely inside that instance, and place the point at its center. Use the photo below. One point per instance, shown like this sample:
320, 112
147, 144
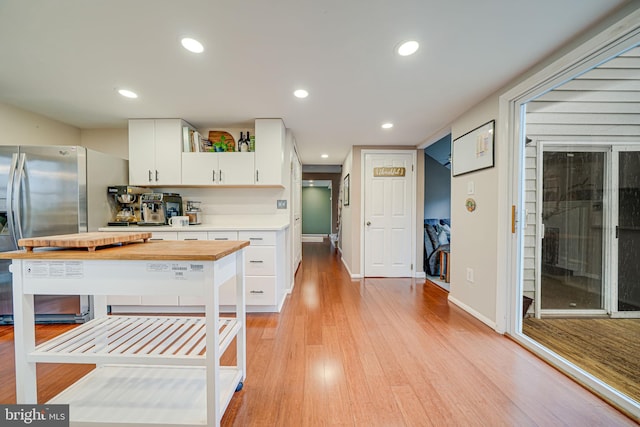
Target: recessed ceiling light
301, 93
408, 48
325, 156
387, 126
127, 93
192, 45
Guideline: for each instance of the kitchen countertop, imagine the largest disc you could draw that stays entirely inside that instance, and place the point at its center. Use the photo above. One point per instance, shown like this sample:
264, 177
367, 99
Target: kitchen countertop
222, 223
164, 250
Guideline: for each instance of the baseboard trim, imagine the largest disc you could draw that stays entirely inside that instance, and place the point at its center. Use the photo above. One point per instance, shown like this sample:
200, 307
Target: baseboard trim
474, 313
353, 276
313, 237
420, 275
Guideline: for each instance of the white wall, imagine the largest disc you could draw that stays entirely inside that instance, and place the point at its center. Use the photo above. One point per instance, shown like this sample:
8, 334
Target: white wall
110, 141
474, 236
21, 127
346, 220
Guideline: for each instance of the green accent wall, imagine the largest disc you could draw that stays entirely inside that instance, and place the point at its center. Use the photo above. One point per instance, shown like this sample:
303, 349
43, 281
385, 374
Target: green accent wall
316, 210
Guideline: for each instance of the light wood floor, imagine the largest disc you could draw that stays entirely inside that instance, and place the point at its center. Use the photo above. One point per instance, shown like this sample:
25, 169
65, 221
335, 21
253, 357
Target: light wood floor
379, 352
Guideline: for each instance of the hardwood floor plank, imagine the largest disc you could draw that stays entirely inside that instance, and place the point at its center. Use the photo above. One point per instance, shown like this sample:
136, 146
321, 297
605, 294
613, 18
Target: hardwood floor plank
377, 352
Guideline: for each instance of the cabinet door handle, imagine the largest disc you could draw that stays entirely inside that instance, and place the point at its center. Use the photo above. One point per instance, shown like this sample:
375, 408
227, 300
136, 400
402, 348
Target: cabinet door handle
213, 175
255, 238
156, 175
256, 261
192, 238
257, 176
220, 175
150, 178
256, 292
221, 238
156, 238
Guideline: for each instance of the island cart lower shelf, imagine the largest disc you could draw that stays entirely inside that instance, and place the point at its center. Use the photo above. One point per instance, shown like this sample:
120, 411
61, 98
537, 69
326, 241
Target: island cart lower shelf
151, 370
144, 396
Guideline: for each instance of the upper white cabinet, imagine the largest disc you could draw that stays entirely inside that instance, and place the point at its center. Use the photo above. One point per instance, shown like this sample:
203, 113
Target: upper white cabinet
156, 157
270, 149
218, 168
155, 145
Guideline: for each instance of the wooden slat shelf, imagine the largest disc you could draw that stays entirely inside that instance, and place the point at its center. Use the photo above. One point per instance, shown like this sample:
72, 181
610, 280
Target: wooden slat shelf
136, 340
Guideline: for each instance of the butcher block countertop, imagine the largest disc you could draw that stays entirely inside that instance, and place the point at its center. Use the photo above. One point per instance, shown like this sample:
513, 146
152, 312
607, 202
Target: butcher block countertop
165, 250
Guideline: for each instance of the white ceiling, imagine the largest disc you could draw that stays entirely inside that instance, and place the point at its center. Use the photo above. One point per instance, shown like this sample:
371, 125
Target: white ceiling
65, 58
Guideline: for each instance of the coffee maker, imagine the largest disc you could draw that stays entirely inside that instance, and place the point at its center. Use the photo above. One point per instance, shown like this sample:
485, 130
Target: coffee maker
157, 208
124, 202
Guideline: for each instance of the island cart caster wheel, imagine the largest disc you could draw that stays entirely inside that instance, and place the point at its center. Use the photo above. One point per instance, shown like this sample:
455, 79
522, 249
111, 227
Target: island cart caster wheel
239, 387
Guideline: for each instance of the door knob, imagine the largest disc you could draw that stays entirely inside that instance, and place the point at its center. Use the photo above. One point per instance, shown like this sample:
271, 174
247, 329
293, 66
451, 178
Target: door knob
368, 222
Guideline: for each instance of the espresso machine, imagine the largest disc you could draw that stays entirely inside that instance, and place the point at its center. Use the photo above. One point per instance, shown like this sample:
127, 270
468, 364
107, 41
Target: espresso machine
124, 202
157, 208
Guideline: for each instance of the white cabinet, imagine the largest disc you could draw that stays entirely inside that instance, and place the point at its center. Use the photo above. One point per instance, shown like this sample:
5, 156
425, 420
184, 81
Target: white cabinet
264, 284
270, 149
264, 267
164, 235
155, 146
218, 168
156, 157
222, 235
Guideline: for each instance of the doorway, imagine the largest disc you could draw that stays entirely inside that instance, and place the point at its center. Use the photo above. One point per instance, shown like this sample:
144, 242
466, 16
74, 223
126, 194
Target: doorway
316, 210
389, 210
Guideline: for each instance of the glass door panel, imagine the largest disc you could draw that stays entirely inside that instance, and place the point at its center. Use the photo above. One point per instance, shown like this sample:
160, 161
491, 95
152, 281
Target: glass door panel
628, 231
572, 217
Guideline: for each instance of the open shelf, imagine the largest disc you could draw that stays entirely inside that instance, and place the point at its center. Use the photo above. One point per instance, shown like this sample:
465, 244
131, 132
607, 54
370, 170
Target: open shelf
145, 340
144, 396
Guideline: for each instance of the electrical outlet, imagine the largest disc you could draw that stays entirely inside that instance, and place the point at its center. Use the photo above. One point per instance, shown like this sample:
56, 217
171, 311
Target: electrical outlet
470, 275
281, 204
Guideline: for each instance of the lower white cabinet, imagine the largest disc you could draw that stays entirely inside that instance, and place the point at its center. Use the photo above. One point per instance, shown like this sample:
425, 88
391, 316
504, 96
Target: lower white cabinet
264, 267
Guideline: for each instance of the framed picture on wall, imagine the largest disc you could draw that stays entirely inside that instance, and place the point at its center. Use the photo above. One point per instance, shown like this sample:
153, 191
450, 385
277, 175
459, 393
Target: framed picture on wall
474, 150
346, 190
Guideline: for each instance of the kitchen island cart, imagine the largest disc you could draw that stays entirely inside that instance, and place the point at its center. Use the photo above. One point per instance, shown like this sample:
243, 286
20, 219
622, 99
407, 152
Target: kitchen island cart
150, 370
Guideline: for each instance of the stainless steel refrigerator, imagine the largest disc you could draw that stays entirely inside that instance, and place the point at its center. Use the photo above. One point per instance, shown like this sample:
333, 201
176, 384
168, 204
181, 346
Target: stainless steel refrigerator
50, 190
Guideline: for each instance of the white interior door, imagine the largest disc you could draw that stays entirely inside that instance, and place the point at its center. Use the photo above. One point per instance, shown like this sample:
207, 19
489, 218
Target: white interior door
388, 214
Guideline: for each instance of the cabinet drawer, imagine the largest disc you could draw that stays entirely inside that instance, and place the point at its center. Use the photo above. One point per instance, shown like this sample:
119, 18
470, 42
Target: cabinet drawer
222, 235
260, 261
164, 235
258, 238
260, 290
192, 235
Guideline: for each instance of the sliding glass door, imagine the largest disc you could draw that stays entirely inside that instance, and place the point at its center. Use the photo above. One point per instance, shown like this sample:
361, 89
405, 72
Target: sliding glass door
626, 301
572, 267
590, 231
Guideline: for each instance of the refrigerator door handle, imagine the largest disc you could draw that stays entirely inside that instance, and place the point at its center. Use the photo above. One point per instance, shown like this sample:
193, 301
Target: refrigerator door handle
16, 200
10, 187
